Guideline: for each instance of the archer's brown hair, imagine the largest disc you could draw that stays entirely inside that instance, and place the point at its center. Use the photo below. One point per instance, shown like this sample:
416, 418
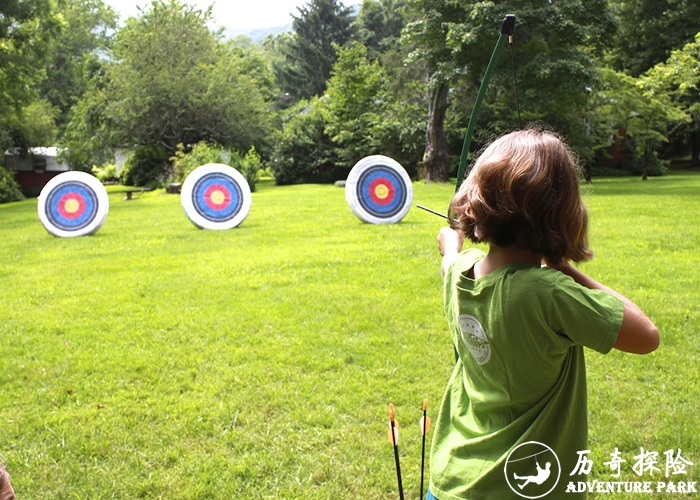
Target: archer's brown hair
524, 191
6, 490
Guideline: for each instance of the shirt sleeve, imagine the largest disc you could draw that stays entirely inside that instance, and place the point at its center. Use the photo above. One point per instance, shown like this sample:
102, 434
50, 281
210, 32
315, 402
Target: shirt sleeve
591, 318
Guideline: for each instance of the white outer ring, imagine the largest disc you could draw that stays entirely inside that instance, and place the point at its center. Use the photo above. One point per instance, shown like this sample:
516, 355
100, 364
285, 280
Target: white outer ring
351, 189
85, 178
188, 205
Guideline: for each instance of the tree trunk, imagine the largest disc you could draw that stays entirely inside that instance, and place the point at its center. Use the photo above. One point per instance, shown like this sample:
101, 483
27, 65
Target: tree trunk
437, 155
695, 148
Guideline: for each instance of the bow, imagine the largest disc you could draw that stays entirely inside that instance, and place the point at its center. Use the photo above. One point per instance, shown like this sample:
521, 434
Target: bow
507, 27
506, 32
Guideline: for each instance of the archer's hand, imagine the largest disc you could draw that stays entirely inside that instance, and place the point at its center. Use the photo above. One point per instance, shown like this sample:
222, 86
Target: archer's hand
450, 244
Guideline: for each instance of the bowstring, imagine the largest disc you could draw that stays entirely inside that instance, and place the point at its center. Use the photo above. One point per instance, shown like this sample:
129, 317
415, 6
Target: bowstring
515, 79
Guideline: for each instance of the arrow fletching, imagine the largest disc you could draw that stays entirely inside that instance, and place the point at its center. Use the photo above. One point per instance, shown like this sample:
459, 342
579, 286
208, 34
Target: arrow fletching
393, 432
425, 420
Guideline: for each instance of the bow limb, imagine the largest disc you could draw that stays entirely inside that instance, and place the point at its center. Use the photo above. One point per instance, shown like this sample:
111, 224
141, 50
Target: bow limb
507, 27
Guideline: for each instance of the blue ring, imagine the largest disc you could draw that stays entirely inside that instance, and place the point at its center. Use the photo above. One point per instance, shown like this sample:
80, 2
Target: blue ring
200, 205
54, 215
365, 199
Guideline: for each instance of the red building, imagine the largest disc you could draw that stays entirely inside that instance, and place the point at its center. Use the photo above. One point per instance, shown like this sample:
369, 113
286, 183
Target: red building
34, 168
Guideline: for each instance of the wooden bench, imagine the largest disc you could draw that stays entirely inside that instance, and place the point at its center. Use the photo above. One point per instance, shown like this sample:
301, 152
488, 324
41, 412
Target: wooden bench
129, 193
173, 188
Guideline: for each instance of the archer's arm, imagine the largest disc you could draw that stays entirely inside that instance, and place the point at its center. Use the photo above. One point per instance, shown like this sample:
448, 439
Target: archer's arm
637, 334
450, 244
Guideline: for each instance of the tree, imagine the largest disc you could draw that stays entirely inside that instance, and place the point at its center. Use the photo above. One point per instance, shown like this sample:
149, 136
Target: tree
379, 25
555, 42
354, 105
642, 109
26, 28
173, 82
679, 76
367, 114
87, 31
310, 52
649, 30
303, 151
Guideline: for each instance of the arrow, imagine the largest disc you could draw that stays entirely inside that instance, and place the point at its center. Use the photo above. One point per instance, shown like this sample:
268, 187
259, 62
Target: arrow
424, 425
394, 440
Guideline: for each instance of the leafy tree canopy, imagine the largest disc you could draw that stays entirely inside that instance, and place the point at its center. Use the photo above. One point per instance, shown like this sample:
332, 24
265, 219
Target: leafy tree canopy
172, 81
26, 28
310, 52
649, 30
87, 31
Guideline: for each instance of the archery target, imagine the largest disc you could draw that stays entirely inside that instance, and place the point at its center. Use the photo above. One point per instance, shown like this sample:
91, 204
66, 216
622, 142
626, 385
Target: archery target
73, 204
216, 196
379, 190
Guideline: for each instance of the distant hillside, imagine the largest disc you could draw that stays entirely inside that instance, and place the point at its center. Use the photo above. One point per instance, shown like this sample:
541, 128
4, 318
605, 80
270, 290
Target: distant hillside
257, 35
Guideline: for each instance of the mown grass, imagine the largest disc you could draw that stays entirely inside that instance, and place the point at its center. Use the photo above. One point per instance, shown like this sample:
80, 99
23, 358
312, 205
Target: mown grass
156, 360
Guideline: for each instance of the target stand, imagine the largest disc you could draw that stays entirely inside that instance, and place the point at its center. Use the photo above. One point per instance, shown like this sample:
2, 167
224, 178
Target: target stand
378, 190
216, 196
73, 204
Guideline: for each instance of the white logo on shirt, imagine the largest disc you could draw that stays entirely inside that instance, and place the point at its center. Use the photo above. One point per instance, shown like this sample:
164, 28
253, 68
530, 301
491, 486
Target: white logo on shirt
474, 338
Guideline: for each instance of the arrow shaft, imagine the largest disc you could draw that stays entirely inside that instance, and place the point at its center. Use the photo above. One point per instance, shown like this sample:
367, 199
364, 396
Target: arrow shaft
396, 459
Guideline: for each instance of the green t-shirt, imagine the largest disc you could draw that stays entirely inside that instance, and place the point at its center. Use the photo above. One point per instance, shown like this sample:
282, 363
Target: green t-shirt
520, 383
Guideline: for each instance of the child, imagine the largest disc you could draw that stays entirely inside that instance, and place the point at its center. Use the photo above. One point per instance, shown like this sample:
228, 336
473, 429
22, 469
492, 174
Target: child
519, 317
6, 491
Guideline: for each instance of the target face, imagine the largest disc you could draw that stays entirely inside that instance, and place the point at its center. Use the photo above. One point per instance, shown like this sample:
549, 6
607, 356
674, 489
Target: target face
73, 204
379, 190
216, 196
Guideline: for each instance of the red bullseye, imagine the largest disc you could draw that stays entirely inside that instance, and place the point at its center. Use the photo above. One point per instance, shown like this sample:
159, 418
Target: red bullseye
217, 197
381, 191
71, 206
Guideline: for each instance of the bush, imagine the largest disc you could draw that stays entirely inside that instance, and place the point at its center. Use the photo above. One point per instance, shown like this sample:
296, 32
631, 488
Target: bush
249, 166
9, 189
609, 172
201, 154
108, 173
146, 166
303, 152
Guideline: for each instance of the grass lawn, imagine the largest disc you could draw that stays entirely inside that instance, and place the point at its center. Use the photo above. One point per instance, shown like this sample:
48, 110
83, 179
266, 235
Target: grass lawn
157, 360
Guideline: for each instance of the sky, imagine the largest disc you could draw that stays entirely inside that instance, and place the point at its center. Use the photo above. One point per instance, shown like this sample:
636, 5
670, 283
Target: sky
237, 15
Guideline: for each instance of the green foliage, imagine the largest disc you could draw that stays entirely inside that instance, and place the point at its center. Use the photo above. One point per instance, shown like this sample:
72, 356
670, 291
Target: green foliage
200, 154
303, 151
679, 77
310, 53
249, 166
354, 105
107, 173
609, 172
87, 137
9, 189
555, 43
37, 126
88, 28
172, 81
26, 28
145, 166
379, 25
650, 30
642, 110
